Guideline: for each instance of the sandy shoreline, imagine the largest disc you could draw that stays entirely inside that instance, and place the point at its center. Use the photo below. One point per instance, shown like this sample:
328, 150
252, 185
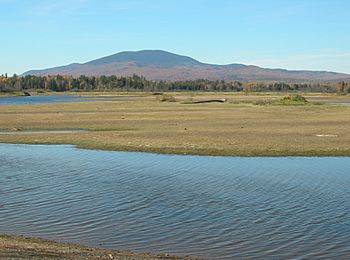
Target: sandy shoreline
19, 247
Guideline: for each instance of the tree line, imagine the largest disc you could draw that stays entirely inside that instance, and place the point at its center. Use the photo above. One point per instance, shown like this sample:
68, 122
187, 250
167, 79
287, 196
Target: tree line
61, 83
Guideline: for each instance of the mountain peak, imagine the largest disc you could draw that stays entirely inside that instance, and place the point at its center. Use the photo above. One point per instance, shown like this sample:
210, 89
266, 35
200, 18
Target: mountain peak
163, 65
147, 57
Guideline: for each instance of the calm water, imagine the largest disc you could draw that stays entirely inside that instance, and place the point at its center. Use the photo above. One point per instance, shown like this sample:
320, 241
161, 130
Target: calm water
214, 207
341, 103
22, 100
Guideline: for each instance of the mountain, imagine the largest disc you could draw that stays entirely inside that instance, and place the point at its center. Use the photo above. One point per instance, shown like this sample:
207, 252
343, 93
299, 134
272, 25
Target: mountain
162, 65
147, 58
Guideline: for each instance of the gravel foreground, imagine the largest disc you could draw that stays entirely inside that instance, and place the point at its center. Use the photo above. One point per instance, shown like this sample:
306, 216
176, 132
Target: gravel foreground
19, 247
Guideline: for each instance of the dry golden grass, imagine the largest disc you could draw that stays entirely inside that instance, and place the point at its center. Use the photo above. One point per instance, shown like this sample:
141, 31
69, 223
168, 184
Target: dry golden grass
236, 127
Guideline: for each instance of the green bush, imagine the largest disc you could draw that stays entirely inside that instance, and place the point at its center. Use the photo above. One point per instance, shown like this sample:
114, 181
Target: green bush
295, 99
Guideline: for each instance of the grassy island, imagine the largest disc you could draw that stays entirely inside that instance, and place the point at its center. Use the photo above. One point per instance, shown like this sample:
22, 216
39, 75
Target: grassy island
241, 124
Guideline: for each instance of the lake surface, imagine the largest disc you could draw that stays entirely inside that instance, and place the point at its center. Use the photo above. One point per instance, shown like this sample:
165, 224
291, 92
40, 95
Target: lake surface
22, 100
340, 103
52, 99
213, 207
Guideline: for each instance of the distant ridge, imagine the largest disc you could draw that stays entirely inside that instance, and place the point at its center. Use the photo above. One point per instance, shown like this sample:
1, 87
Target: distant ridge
163, 65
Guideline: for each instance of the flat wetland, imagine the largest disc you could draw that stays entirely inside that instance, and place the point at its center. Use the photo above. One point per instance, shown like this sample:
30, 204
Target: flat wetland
242, 126
246, 124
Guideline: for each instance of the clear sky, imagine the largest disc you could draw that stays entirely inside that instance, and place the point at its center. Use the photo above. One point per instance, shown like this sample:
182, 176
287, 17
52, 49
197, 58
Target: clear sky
292, 34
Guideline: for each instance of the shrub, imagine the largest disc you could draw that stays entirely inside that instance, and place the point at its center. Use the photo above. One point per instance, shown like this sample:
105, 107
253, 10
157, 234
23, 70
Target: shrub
295, 99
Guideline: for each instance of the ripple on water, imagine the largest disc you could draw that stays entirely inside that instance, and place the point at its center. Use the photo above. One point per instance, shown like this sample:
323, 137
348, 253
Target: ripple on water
215, 207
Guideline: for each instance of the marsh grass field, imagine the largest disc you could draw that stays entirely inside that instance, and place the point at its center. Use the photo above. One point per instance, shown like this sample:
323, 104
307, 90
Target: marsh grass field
253, 124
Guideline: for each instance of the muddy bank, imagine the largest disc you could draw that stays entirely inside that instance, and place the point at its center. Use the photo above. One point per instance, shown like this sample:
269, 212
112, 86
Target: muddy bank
18, 247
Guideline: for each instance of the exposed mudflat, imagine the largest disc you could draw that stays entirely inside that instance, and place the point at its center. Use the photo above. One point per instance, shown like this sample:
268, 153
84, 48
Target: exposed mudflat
18, 247
244, 125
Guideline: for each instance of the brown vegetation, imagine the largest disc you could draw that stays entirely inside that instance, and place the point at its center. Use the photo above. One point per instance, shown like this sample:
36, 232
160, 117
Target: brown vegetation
236, 127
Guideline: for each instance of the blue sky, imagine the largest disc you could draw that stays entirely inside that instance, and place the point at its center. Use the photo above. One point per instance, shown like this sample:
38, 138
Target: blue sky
292, 34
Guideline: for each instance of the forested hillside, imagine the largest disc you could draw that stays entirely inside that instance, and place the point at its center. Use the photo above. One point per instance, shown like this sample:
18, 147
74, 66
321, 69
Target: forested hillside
136, 83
